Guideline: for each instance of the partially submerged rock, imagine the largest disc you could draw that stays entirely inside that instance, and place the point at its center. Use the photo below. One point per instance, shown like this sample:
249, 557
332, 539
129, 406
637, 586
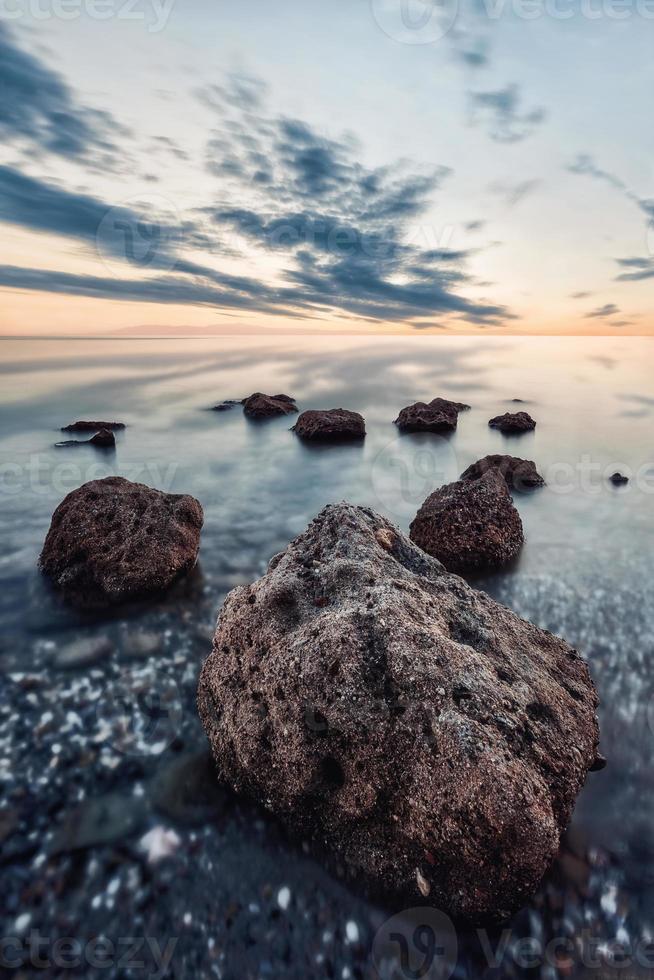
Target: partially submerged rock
113, 540
438, 415
470, 525
432, 740
520, 474
260, 406
618, 479
104, 439
92, 426
330, 425
513, 423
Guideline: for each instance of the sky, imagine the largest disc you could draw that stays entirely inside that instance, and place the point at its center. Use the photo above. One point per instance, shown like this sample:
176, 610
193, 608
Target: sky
358, 166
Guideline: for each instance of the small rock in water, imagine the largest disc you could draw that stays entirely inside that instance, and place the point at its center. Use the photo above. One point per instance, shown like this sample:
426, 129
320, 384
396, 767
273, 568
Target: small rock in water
104, 438
260, 406
113, 540
520, 474
82, 652
100, 820
142, 644
439, 415
92, 426
513, 423
422, 732
330, 425
471, 524
618, 479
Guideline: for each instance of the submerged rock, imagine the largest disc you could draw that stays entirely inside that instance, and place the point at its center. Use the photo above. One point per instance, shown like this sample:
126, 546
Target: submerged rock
470, 525
434, 742
520, 474
83, 652
92, 426
439, 415
260, 406
513, 423
113, 540
331, 424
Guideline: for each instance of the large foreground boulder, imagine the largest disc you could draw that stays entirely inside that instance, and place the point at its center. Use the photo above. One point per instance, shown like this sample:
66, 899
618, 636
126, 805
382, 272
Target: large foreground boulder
520, 474
330, 425
470, 525
438, 415
260, 406
429, 738
513, 423
113, 540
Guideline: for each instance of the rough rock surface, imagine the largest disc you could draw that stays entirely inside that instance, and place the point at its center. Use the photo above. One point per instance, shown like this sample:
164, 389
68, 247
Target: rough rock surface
330, 424
92, 426
520, 474
113, 540
439, 415
260, 406
432, 740
513, 423
470, 524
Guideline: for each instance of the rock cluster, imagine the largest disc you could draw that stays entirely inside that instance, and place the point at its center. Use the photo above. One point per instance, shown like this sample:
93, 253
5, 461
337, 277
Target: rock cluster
439, 415
113, 540
513, 423
330, 425
470, 525
260, 406
429, 737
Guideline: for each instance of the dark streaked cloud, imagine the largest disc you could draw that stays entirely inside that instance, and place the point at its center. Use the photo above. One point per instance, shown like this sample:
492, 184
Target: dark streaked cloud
500, 109
39, 111
636, 269
609, 309
354, 239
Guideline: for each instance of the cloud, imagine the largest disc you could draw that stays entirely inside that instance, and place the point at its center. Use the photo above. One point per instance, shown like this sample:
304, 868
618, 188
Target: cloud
580, 295
609, 309
354, 238
513, 192
39, 111
500, 109
636, 269
347, 240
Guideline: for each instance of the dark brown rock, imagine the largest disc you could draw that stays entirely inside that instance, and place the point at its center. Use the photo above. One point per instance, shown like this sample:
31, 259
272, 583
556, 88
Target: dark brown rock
513, 423
470, 525
439, 415
434, 742
112, 540
520, 474
104, 438
92, 426
618, 480
333, 424
260, 406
